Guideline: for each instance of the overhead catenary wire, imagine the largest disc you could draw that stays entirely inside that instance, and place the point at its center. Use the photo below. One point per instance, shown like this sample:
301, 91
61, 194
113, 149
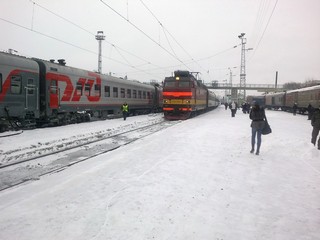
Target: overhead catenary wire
166, 30
117, 48
145, 34
264, 31
93, 34
70, 44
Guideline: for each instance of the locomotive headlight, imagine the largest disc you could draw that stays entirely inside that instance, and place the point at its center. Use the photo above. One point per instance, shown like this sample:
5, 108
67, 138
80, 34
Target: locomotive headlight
165, 101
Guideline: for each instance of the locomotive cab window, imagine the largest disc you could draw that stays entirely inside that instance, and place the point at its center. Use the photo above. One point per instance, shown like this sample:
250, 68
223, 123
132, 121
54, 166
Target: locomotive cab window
169, 84
15, 87
184, 84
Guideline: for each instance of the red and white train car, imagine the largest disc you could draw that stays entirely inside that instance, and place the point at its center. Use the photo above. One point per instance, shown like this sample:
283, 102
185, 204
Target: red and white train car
37, 92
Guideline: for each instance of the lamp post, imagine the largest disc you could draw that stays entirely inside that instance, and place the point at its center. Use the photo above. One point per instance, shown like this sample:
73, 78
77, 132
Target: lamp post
100, 37
242, 91
225, 90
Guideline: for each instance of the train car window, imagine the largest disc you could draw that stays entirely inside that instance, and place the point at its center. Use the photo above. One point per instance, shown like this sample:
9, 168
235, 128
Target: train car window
144, 95
115, 92
148, 95
54, 86
122, 93
128, 93
15, 85
139, 94
30, 86
87, 89
97, 89
184, 84
107, 91
134, 93
0, 82
79, 89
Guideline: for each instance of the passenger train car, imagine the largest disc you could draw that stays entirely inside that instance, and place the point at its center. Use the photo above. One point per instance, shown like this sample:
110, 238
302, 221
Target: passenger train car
285, 100
36, 92
184, 96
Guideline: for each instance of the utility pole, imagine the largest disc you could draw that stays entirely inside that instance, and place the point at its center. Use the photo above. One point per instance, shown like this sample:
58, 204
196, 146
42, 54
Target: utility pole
100, 37
230, 80
242, 91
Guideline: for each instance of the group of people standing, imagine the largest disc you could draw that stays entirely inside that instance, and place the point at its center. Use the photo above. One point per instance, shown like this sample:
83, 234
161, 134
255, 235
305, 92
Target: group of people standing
259, 120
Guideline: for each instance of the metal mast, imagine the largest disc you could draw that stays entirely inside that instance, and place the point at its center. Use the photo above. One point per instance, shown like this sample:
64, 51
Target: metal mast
242, 91
100, 37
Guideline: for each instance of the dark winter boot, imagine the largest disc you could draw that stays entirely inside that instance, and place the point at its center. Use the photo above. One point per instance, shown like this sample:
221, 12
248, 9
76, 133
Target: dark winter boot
258, 150
252, 148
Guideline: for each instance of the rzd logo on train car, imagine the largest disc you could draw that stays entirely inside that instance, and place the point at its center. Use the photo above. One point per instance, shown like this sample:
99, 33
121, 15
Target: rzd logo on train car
88, 87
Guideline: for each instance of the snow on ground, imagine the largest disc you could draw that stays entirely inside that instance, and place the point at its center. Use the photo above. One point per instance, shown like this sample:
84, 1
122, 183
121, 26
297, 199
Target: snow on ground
34, 142
194, 180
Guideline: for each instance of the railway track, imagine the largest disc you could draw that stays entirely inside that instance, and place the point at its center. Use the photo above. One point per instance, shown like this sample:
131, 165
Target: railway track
29, 165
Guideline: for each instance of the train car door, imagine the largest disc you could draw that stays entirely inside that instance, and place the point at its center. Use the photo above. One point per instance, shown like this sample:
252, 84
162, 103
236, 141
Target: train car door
31, 94
54, 94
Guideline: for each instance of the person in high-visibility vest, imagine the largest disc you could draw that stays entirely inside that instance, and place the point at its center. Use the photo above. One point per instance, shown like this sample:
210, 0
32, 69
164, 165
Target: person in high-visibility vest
125, 110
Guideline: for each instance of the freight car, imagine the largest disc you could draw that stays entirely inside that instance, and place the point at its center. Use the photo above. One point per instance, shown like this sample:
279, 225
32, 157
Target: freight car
285, 100
185, 96
36, 92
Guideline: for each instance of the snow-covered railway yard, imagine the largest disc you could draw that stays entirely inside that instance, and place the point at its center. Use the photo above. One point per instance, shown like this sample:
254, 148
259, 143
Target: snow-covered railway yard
193, 180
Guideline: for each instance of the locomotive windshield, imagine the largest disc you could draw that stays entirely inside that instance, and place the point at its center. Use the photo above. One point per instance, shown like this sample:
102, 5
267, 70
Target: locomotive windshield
174, 83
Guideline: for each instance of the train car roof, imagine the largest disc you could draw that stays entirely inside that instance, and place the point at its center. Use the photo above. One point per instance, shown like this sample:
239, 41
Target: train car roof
17, 61
60, 68
275, 93
305, 89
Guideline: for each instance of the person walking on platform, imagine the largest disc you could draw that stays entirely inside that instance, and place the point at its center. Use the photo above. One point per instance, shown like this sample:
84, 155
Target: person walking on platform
258, 116
315, 122
125, 110
233, 107
310, 111
295, 108
226, 105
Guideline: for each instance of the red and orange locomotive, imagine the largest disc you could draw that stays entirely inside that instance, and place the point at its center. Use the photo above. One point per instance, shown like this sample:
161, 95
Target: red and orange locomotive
185, 96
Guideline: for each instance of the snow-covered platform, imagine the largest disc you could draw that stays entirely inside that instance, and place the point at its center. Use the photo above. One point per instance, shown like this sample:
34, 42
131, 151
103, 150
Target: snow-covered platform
194, 180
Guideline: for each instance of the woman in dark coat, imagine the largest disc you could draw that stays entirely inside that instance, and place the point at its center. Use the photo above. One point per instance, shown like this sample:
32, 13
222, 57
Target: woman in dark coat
315, 122
258, 116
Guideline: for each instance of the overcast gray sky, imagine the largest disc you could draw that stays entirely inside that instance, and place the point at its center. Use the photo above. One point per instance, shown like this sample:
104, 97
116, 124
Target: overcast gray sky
149, 39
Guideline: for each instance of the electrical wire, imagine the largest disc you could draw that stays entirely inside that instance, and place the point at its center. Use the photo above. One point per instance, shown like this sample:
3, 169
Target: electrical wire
71, 44
145, 34
264, 31
147, 62
166, 30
